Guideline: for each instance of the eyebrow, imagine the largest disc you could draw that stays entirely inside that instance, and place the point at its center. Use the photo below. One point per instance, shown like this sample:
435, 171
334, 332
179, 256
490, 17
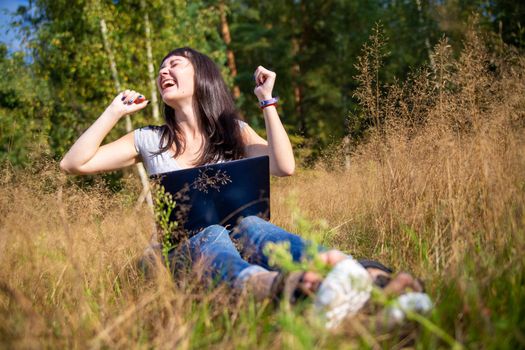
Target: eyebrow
169, 60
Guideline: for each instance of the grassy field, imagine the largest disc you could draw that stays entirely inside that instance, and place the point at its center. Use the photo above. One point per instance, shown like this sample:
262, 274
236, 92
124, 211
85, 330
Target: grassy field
438, 189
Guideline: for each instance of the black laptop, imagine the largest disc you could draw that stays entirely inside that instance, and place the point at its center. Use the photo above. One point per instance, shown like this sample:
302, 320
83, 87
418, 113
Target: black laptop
220, 193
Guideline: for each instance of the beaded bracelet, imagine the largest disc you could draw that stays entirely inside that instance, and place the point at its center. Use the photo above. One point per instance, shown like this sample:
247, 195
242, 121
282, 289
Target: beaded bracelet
266, 103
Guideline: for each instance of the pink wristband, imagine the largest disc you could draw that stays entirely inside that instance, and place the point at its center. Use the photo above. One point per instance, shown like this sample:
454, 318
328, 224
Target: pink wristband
270, 102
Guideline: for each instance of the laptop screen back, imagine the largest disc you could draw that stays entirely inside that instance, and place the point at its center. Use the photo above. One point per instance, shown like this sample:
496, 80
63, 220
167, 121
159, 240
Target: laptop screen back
219, 193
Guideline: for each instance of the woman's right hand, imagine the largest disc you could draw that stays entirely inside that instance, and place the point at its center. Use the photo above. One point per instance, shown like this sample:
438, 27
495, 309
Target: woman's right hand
86, 156
128, 102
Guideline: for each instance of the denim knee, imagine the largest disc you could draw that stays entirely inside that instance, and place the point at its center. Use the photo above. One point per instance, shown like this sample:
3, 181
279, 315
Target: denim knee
211, 235
250, 221
213, 231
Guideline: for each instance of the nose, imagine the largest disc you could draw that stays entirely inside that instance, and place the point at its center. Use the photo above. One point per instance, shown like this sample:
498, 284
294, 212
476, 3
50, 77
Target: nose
163, 74
163, 71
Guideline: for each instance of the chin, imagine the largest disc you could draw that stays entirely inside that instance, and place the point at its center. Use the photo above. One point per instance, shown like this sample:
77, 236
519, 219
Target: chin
174, 99
170, 96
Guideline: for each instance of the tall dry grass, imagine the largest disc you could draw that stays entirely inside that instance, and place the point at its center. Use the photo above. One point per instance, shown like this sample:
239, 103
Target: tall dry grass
438, 188
446, 163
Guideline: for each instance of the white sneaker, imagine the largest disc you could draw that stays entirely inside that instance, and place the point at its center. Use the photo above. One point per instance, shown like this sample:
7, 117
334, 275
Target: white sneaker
343, 292
408, 302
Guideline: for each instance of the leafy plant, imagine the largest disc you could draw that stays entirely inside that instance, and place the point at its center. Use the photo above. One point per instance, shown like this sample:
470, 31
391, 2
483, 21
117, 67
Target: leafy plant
163, 207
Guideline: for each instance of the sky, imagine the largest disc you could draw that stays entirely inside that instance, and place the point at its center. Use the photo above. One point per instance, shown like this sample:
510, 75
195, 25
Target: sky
10, 38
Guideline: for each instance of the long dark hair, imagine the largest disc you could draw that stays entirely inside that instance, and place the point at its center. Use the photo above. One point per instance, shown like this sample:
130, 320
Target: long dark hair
216, 112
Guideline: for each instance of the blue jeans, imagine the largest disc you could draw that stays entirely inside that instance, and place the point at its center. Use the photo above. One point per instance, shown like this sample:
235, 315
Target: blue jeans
213, 247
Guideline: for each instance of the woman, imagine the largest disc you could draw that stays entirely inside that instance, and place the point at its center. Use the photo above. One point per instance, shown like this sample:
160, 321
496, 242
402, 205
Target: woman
202, 126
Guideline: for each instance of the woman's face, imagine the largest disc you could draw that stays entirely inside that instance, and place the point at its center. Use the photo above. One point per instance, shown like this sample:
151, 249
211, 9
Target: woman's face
176, 80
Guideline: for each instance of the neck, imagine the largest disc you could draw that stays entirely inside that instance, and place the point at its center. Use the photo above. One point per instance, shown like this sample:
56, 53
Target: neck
187, 119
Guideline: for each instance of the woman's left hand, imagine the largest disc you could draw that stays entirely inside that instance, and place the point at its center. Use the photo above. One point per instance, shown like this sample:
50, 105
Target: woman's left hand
264, 81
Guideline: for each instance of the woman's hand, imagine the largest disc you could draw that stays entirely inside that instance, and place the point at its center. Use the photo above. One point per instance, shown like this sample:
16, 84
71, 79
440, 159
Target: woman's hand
86, 156
264, 81
127, 102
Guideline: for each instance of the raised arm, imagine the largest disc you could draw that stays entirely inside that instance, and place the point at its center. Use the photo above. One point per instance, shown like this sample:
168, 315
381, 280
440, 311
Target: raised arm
86, 156
278, 146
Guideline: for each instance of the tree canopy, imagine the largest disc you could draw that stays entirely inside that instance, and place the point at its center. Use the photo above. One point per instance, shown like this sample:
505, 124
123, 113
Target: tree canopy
48, 97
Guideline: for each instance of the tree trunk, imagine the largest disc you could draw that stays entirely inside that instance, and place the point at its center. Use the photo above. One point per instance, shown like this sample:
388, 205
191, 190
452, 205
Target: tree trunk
129, 127
297, 93
149, 57
296, 76
226, 37
422, 24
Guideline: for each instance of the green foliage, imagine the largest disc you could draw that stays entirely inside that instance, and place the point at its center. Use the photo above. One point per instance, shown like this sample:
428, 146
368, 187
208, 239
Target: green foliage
312, 45
24, 110
163, 207
312, 229
280, 257
502, 17
315, 231
69, 56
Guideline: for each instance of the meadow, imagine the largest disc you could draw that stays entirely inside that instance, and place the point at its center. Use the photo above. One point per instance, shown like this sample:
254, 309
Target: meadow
437, 188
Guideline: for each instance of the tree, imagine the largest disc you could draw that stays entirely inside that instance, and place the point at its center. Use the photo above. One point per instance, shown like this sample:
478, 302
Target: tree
24, 109
79, 46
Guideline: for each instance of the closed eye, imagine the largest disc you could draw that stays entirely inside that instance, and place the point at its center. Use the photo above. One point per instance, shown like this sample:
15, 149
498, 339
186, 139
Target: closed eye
172, 63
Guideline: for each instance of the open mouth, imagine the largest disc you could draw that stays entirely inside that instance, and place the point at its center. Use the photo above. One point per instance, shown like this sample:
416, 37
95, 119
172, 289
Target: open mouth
168, 83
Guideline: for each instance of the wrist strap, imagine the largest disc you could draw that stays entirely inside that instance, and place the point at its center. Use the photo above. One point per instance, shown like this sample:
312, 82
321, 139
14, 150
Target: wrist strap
271, 102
